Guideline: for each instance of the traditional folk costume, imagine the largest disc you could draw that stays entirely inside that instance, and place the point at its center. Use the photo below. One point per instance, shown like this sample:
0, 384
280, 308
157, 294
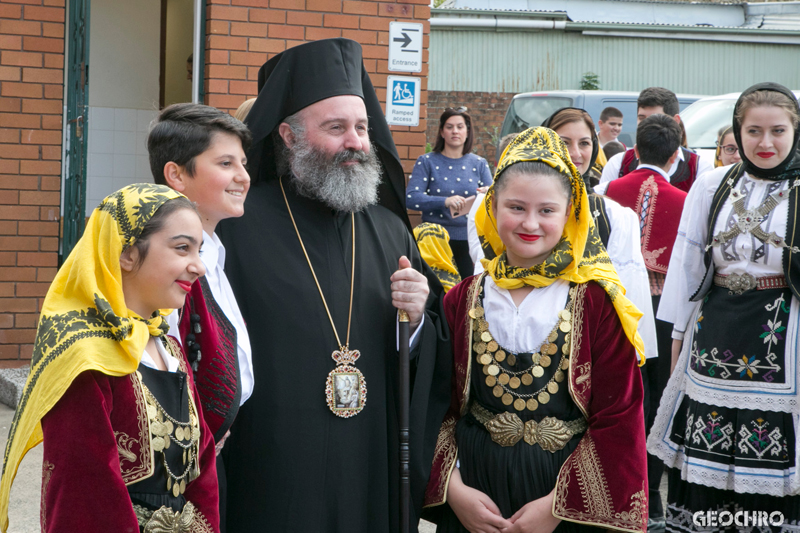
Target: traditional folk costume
658, 207
316, 448
546, 396
727, 423
434, 246
211, 328
126, 447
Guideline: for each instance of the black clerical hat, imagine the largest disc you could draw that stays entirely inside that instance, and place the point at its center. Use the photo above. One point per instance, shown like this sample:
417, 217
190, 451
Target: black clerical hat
305, 74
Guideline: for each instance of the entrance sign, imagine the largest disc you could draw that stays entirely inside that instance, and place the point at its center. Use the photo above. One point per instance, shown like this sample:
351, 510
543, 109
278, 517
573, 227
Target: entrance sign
402, 100
405, 46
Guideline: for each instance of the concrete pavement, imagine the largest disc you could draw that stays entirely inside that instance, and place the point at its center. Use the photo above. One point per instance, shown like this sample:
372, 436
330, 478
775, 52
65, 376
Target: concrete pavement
23, 508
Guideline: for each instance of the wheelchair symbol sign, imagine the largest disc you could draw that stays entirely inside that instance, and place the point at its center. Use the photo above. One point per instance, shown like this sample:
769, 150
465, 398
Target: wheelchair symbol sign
401, 94
402, 100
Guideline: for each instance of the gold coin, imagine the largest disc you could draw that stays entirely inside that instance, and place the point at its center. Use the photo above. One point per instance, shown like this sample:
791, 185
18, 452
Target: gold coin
552, 387
565, 327
485, 370
527, 379
195, 434
492, 346
483, 325
545, 347
535, 358
485, 359
553, 336
514, 383
545, 361
532, 405
565, 348
473, 313
183, 486
511, 359
567, 338
519, 404
497, 391
491, 381
176, 489
503, 379
543, 397
559, 376
478, 312
486, 336
565, 363
537, 371
158, 444
552, 349
493, 370
507, 399
565, 315
500, 356
151, 411
179, 433
169, 427
166, 442
479, 347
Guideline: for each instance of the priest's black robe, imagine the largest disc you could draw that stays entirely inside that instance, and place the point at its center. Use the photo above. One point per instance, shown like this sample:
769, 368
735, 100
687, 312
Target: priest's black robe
292, 465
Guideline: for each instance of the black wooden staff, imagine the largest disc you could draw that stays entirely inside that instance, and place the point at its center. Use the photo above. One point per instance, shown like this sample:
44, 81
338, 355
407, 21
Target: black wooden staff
405, 407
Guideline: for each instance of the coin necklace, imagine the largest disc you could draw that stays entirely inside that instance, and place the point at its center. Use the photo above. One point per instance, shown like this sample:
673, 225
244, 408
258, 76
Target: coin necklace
164, 430
345, 388
504, 382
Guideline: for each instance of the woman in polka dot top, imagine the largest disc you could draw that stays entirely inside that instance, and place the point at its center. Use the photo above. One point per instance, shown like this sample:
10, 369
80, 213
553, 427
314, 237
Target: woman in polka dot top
447, 177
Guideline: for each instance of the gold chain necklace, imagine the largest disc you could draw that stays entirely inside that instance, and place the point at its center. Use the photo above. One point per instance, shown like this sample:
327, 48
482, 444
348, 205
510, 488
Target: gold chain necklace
346, 388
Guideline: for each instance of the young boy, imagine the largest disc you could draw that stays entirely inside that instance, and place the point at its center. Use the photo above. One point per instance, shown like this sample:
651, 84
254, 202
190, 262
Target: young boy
658, 205
609, 125
200, 151
686, 168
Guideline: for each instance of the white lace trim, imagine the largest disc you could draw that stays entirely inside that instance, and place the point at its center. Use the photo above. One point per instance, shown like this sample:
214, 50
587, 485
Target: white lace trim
716, 475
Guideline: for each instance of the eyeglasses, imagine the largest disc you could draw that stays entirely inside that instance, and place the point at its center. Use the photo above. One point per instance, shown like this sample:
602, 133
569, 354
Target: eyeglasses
462, 109
730, 149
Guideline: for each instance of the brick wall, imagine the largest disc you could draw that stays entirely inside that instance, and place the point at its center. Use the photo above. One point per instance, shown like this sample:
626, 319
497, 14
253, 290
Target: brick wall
243, 34
486, 109
31, 100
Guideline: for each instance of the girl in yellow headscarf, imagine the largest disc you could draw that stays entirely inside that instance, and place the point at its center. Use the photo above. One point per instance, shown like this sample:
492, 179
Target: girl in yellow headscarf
126, 447
545, 429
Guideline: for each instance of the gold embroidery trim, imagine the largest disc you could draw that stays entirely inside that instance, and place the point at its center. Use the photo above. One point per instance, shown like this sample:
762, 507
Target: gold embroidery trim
144, 468
165, 520
578, 302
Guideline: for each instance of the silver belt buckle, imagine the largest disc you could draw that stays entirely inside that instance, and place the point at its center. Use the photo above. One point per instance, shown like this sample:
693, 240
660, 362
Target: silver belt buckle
740, 283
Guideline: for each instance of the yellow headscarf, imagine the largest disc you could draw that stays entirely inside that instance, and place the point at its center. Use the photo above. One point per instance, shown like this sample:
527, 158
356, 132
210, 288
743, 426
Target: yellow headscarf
85, 324
580, 239
434, 246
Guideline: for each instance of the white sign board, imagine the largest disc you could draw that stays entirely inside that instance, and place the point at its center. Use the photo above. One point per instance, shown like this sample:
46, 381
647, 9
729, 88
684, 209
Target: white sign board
405, 46
402, 100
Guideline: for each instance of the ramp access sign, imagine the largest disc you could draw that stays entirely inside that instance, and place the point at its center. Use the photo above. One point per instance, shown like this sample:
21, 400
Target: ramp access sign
405, 46
402, 101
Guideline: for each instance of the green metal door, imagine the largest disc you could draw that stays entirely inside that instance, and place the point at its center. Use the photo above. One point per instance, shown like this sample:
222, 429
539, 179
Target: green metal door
77, 126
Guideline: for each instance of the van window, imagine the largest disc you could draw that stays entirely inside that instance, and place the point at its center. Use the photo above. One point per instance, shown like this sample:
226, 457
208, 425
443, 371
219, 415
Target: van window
703, 121
528, 112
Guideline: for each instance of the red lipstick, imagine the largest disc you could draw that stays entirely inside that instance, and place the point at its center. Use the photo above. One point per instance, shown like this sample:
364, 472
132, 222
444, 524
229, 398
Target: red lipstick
185, 285
528, 238
765, 155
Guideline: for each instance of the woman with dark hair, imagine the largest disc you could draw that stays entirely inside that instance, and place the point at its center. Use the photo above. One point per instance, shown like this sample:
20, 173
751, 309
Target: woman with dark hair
728, 421
444, 182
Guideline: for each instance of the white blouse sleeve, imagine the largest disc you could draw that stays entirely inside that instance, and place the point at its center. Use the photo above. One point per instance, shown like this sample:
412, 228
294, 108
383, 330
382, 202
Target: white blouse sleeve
687, 264
624, 249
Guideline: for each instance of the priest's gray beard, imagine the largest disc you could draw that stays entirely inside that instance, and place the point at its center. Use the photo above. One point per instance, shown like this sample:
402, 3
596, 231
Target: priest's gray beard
348, 188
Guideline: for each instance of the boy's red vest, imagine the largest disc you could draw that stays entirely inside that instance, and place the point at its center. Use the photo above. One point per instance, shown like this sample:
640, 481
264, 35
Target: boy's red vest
683, 177
658, 205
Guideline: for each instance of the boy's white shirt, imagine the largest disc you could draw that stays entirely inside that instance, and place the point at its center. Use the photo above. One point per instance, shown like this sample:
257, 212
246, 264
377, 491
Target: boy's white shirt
213, 257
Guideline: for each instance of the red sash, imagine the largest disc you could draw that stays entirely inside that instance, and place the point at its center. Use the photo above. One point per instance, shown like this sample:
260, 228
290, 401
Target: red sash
658, 205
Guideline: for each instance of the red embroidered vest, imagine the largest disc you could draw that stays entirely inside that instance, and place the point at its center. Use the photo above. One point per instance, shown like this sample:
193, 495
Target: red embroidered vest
658, 205
682, 178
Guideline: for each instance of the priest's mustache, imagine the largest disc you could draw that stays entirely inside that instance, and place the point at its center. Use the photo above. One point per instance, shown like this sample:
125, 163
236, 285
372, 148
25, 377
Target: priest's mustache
346, 156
